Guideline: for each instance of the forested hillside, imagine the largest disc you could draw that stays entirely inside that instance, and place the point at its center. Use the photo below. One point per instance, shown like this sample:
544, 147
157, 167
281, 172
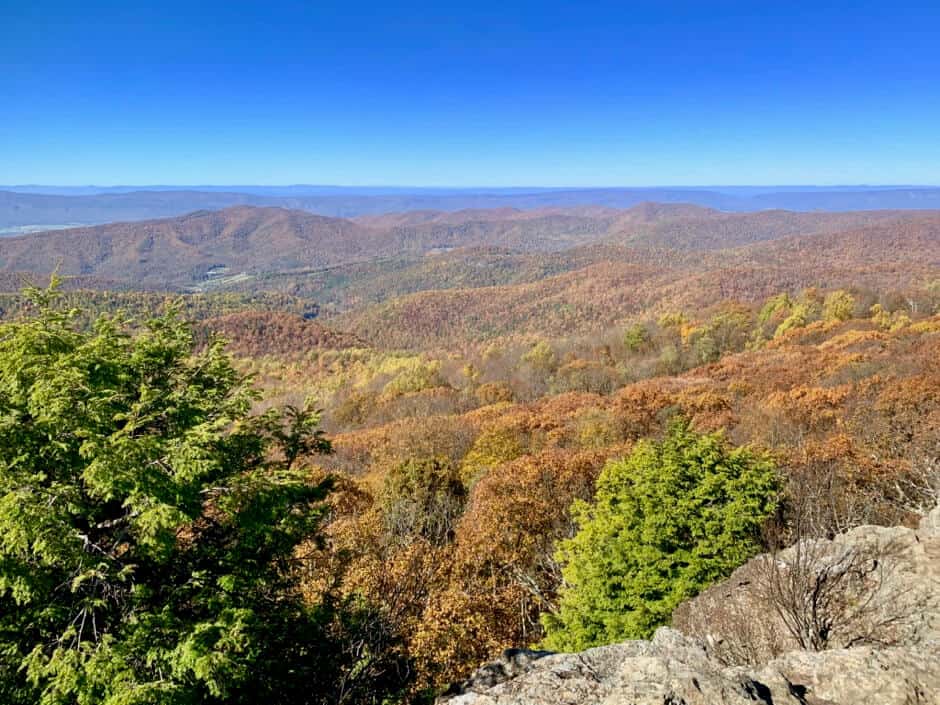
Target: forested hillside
239, 245
261, 455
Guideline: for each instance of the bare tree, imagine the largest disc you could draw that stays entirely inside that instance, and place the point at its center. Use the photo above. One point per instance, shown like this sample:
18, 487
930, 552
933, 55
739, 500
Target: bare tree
918, 490
830, 594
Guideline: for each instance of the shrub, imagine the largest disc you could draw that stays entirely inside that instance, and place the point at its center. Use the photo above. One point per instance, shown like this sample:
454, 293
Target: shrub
669, 520
839, 306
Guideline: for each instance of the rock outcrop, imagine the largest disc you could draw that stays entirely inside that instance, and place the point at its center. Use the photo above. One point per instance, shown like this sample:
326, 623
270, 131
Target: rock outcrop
871, 585
676, 669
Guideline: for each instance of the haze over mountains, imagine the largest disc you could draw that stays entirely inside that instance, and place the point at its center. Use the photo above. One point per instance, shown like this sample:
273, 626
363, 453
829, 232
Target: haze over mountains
38, 206
205, 246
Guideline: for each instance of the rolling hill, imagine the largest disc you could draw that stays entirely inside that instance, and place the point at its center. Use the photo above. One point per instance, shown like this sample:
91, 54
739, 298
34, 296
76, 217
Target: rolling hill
625, 283
176, 252
184, 251
216, 247
429, 279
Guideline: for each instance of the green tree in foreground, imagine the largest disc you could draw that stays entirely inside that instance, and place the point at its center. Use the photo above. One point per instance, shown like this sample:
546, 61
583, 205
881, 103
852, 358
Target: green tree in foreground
150, 525
666, 522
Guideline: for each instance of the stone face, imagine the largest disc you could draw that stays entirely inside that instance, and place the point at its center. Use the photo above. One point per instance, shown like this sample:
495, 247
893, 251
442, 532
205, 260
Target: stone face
898, 675
896, 601
675, 669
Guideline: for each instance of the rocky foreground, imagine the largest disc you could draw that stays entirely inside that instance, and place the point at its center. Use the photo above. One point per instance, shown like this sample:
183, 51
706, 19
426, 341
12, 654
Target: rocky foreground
890, 609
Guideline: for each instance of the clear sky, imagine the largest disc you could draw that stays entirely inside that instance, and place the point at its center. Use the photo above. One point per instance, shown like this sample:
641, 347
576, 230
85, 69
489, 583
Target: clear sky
467, 93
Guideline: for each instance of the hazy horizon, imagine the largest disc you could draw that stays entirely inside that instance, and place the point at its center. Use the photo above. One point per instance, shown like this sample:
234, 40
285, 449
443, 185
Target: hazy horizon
455, 188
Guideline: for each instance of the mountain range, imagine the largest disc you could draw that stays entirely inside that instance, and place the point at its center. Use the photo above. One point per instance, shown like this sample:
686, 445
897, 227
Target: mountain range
36, 207
206, 248
438, 277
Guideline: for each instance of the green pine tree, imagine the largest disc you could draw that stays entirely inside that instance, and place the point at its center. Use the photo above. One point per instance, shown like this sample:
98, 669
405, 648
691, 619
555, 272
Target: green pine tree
668, 521
149, 526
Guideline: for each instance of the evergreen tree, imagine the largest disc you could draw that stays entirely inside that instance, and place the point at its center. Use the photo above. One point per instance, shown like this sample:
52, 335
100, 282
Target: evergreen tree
666, 522
150, 525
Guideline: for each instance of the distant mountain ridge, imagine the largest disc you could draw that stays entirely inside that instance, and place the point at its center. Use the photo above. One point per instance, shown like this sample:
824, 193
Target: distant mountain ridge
181, 251
209, 248
35, 205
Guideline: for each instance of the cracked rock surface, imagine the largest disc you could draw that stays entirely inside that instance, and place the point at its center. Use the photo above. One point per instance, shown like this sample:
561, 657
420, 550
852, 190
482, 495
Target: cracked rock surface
673, 670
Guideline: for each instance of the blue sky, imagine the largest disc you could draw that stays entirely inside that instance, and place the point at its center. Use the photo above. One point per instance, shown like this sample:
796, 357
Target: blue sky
469, 93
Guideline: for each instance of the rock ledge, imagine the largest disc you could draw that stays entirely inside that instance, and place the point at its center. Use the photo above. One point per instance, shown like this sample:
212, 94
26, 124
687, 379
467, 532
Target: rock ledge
674, 669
